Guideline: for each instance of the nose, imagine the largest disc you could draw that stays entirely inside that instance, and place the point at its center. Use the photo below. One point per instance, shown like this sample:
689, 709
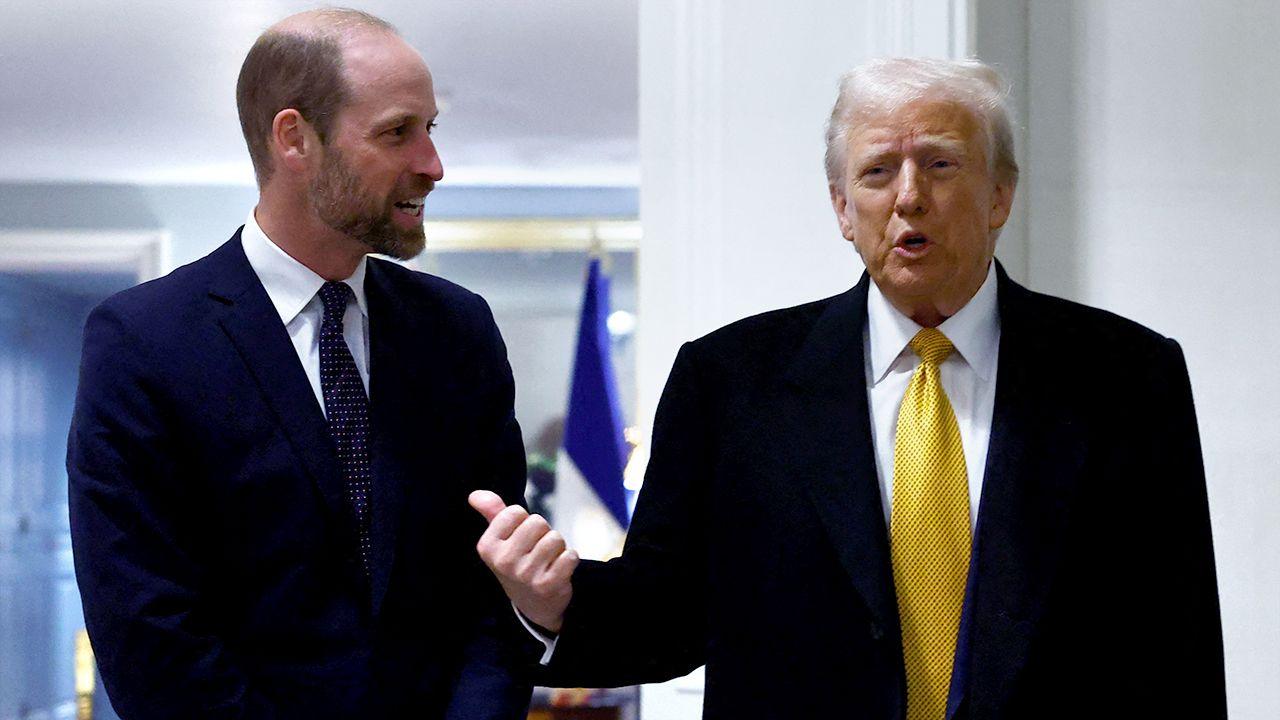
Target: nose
426, 161
913, 191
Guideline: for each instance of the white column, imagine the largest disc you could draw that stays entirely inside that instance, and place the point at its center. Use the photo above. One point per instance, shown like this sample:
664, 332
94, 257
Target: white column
733, 197
998, 36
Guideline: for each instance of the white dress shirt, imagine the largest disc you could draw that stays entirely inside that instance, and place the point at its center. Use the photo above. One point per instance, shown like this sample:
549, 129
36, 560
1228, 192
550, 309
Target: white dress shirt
293, 289
968, 378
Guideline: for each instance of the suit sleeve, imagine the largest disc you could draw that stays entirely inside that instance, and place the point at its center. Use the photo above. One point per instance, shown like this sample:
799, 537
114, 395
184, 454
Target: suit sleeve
142, 585
642, 617
1193, 655
495, 681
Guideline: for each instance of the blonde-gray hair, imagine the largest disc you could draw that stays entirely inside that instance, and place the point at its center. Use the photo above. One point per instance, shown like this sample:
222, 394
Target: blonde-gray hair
887, 83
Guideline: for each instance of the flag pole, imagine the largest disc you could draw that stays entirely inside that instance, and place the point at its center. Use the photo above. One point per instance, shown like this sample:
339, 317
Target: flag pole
596, 250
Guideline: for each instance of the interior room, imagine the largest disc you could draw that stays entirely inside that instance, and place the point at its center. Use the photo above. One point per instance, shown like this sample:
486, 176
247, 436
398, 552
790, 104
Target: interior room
678, 144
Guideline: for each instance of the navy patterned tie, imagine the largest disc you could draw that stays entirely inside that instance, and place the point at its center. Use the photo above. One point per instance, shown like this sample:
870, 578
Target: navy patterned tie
347, 408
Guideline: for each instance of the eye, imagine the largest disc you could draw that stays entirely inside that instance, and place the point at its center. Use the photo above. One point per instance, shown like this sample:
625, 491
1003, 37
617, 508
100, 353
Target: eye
397, 131
431, 126
942, 164
874, 176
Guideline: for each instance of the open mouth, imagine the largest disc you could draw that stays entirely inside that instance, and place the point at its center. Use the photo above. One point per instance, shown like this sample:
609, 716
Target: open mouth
912, 244
412, 208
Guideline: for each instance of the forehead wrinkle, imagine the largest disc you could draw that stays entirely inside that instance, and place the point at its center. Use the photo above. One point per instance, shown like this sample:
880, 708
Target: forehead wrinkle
880, 149
875, 150
920, 117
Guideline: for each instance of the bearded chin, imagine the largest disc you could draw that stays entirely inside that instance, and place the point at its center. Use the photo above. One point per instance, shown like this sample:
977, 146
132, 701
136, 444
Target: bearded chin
341, 205
385, 238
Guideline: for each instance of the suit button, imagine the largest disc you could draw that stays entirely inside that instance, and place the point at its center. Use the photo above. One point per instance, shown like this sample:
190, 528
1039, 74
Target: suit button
876, 632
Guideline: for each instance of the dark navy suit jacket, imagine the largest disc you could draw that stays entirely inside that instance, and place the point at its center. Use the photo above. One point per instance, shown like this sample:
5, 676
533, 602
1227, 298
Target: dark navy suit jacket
759, 547
214, 551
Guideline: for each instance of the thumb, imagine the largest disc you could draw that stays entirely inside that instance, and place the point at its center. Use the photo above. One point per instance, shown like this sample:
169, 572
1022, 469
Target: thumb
486, 503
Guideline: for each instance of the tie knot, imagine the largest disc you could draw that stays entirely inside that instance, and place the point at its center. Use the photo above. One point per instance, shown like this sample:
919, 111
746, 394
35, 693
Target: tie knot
931, 345
335, 295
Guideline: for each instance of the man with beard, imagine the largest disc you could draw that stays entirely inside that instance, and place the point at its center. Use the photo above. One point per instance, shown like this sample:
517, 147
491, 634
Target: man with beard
272, 446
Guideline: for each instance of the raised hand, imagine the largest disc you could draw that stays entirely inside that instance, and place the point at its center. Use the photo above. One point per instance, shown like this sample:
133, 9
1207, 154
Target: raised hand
530, 560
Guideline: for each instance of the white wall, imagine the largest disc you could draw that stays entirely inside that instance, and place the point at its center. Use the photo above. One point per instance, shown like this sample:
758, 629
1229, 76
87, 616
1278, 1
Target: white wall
1153, 181
998, 35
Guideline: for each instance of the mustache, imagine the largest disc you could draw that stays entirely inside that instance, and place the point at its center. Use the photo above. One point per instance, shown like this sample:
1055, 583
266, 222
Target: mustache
419, 189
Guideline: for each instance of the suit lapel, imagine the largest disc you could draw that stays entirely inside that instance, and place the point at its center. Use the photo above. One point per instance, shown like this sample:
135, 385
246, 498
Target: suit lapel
826, 415
248, 318
404, 407
1033, 460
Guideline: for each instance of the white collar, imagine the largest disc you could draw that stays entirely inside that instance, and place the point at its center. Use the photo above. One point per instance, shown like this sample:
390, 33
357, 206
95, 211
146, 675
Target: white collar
974, 330
289, 283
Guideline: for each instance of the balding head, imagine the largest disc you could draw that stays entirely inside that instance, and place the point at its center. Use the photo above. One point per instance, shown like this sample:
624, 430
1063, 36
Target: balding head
332, 22
298, 63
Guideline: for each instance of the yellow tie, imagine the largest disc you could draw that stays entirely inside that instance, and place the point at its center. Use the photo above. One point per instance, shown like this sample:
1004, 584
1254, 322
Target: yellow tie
929, 530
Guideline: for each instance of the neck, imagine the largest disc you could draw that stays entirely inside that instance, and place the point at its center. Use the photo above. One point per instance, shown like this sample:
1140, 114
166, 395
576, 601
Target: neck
932, 311
926, 317
295, 229
926, 312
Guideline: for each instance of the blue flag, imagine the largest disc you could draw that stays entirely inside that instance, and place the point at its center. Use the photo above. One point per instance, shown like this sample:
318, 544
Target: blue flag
593, 429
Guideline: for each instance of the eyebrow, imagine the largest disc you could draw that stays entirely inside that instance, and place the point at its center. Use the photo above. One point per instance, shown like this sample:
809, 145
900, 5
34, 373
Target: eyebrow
944, 144
400, 118
931, 143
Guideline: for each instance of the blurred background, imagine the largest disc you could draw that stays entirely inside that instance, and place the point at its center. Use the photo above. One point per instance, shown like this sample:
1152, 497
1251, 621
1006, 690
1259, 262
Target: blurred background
681, 142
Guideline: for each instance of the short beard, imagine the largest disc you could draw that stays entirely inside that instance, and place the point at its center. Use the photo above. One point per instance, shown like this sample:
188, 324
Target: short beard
342, 205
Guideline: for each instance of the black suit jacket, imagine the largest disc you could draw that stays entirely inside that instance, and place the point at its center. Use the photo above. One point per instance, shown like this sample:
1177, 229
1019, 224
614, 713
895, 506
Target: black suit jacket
759, 546
215, 553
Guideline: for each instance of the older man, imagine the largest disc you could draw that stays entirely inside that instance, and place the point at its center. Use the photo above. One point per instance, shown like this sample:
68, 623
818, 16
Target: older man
936, 495
272, 446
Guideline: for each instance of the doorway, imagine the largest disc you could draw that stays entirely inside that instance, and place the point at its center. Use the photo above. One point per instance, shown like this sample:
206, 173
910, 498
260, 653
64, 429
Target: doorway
49, 282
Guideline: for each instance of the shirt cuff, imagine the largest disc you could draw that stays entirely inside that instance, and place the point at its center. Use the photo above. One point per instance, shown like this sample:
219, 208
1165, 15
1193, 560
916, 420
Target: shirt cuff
547, 642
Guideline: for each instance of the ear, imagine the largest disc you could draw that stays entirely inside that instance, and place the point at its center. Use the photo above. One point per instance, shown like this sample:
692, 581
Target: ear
294, 141
1001, 204
840, 204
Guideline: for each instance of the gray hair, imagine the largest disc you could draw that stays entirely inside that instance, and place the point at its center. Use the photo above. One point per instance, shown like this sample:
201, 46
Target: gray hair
297, 63
886, 83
